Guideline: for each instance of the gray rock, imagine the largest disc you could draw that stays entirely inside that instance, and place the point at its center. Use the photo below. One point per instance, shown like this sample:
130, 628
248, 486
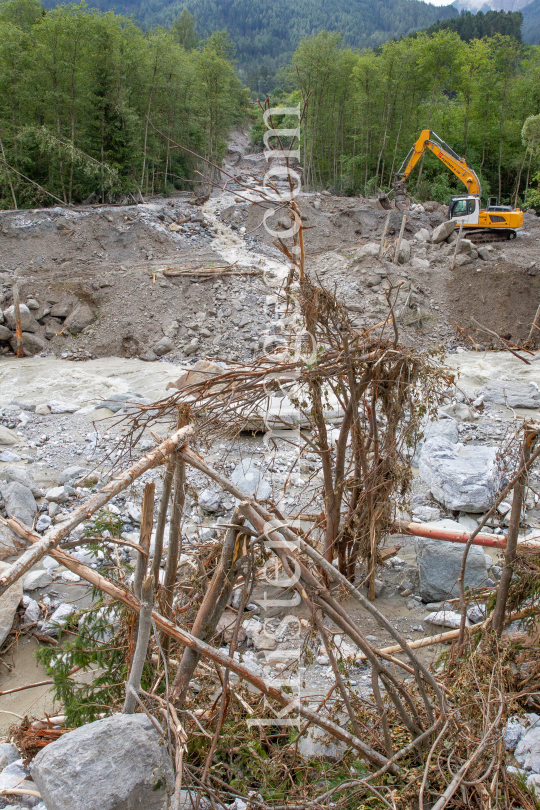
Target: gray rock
446, 618
458, 411
210, 501
527, 751
447, 428
367, 251
439, 565
32, 304
56, 495
467, 248
118, 763
43, 523
513, 394
533, 783
52, 328
22, 476
264, 641
81, 317
9, 602
485, 252
476, 613
163, 346
59, 406
28, 322
423, 235
463, 478
117, 401
20, 503
192, 347
373, 280
9, 543
443, 231
404, 252
10, 752
250, 480
32, 344
39, 578
58, 619
7, 436
513, 733
5, 333
419, 264
32, 612
71, 474
7, 455
61, 309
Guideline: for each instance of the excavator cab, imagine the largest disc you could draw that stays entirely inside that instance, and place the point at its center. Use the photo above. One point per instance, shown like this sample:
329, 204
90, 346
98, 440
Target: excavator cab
465, 209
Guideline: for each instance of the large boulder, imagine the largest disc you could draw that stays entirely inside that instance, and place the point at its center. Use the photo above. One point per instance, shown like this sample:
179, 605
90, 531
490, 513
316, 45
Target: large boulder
32, 344
20, 503
81, 317
9, 602
248, 478
28, 322
439, 565
22, 476
443, 231
5, 333
463, 478
513, 394
118, 763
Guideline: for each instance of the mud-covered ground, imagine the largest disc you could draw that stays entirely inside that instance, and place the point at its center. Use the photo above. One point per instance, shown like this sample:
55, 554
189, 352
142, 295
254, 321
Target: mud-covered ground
120, 263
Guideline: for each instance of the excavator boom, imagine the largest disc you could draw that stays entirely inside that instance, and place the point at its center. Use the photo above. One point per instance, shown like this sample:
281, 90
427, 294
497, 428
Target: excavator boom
458, 165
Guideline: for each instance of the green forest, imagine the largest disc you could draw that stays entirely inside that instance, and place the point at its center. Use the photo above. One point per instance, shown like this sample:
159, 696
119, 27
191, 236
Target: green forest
367, 108
266, 34
89, 104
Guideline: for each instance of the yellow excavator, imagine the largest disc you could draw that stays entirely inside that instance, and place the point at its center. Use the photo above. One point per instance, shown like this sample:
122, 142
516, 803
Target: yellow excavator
492, 224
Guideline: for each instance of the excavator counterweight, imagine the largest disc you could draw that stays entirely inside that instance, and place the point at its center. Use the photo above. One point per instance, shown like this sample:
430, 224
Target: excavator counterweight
489, 224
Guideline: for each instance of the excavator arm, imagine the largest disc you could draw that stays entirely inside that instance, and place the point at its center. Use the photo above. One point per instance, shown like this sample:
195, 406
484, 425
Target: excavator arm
457, 165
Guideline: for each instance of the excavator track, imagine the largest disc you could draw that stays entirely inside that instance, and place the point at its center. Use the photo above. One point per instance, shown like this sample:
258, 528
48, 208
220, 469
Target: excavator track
483, 235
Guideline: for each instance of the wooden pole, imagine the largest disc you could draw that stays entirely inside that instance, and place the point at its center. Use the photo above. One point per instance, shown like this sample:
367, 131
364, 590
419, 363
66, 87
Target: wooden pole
161, 521
147, 520
513, 533
531, 339
400, 237
458, 243
18, 326
175, 534
55, 536
133, 684
383, 237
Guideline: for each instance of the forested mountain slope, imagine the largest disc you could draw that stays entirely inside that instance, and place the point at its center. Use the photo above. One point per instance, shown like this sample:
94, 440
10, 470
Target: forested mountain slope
531, 23
269, 32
